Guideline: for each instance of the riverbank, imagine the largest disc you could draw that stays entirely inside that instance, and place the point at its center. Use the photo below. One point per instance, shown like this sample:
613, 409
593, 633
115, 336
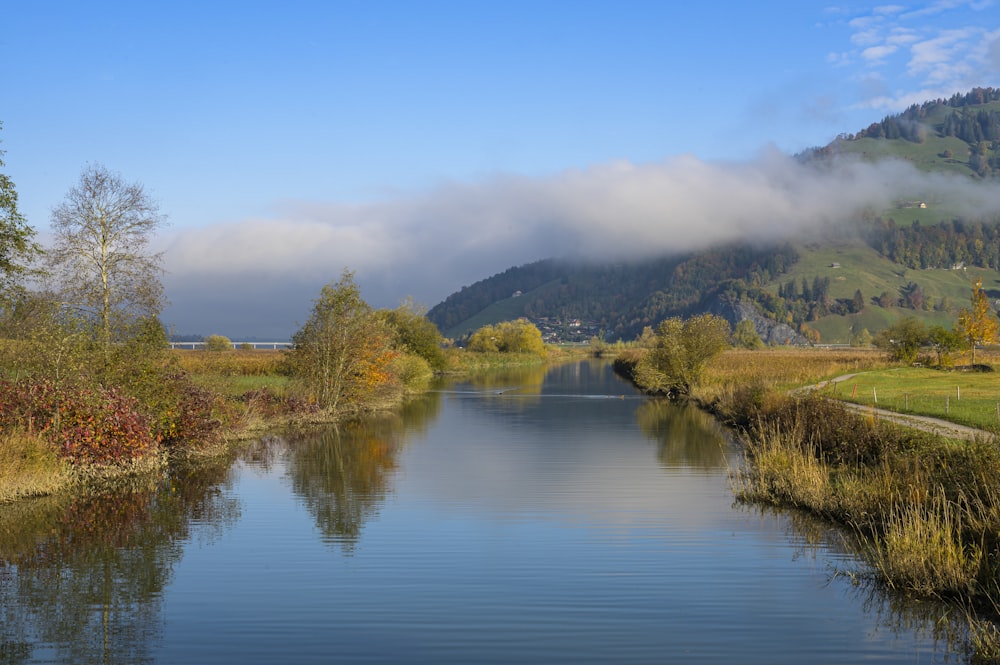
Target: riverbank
920, 504
238, 395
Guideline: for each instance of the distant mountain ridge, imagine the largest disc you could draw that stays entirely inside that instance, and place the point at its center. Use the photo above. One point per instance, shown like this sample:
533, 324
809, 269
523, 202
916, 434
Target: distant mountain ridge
794, 292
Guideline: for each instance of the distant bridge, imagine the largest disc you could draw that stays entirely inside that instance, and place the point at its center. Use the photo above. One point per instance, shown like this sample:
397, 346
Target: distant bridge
192, 346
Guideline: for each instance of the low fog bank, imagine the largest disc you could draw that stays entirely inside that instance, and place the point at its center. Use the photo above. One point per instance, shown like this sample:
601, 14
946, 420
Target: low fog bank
257, 277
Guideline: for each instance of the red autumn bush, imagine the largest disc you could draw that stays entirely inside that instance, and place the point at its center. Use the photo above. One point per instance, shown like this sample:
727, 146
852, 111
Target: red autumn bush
183, 412
87, 425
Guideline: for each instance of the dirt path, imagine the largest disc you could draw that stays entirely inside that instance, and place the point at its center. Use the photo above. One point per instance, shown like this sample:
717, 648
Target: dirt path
924, 423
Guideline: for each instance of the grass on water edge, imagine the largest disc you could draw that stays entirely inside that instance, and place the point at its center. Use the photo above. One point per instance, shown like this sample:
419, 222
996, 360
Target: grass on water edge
30, 467
923, 510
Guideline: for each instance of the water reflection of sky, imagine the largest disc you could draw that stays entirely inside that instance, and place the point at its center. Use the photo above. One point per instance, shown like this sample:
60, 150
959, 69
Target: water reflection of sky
544, 529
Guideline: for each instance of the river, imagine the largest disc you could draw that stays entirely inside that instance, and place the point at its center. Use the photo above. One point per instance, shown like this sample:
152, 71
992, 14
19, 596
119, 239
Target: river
549, 515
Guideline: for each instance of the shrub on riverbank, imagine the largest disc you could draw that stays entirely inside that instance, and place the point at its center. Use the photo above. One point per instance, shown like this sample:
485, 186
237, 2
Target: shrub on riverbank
86, 424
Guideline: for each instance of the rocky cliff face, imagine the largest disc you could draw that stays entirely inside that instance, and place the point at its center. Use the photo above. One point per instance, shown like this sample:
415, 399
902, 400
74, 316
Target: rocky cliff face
770, 332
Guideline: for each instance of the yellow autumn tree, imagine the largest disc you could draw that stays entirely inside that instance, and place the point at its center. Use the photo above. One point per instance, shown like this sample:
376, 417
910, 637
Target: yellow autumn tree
978, 324
343, 354
682, 350
520, 336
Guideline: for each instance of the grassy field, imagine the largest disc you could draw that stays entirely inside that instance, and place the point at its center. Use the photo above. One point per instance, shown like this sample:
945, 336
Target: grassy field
233, 373
928, 155
968, 398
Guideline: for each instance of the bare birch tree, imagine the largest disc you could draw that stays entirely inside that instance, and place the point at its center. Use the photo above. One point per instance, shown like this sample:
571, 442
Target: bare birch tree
100, 257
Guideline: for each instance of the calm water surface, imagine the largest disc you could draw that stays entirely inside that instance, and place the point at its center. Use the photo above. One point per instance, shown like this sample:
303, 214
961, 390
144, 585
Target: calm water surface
545, 516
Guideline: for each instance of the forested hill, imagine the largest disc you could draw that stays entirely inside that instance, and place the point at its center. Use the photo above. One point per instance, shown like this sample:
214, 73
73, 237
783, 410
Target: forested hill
617, 299
961, 133
913, 260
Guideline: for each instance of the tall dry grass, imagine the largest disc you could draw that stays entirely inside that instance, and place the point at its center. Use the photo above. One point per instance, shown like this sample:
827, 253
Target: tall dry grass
921, 549
780, 369
29, 466
924, 510
256, 362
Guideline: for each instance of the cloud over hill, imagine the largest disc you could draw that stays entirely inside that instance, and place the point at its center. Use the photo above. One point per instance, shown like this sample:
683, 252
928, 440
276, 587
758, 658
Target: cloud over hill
259, 275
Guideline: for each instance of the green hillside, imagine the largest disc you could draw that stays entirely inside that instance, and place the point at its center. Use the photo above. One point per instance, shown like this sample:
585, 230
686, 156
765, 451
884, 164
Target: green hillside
956, 135
916, 259
859, 267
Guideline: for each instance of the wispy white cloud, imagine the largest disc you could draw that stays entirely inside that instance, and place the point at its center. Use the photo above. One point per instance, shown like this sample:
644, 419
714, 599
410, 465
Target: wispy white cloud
928, 51
942, 56
885, 10
878, 53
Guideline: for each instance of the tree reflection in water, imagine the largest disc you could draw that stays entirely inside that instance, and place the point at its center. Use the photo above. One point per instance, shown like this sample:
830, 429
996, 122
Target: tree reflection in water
82, 576
685, 435
342, 475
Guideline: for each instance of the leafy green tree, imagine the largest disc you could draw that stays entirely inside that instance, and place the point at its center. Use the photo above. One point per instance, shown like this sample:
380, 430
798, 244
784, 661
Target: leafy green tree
100, 256
647, 339
745, 335
218, 343
414, 333
45, 339
17, 249
598, 346
902, 340
682, 350
978, 324
857, 302
342, 354
945, 342
862, 338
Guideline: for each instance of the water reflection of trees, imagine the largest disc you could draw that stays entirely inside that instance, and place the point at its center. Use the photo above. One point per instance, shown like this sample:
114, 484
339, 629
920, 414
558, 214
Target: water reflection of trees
82, 576
523, 381
685, 435
527, 378
342, 474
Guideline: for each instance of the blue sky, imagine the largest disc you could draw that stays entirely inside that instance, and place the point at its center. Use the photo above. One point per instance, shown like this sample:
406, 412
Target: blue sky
427, 145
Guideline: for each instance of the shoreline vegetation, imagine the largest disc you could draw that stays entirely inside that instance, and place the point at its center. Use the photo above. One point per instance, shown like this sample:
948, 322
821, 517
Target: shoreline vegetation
921, 509
242, 393
90, 399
